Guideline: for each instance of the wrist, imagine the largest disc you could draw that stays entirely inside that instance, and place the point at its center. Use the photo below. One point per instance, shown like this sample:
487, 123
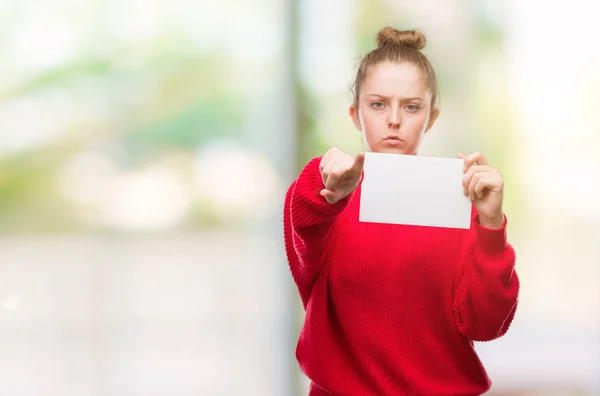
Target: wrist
496, 221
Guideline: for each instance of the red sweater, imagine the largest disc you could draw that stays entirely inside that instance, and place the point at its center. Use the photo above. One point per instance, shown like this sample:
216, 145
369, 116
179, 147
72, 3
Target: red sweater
393, 309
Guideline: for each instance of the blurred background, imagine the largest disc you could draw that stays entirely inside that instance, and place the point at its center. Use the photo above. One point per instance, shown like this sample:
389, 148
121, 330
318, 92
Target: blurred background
145, 148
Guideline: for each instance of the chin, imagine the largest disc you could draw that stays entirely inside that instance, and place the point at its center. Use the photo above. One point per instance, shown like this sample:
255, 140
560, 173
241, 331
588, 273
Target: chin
391, 150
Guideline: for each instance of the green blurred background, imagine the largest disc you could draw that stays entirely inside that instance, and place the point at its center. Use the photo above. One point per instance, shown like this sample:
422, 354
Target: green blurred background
145, 147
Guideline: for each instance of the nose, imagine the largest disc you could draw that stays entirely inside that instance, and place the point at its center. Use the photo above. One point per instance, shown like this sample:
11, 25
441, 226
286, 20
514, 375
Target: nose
394, 120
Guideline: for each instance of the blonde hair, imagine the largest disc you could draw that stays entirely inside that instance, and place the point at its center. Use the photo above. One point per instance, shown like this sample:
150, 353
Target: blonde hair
398, 46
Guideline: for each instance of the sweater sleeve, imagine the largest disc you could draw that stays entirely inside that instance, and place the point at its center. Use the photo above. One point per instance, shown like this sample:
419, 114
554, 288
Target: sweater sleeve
487, 294
309, 223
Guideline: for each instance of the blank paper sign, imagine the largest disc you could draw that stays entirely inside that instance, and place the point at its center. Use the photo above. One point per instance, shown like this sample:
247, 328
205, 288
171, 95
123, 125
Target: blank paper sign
413, 190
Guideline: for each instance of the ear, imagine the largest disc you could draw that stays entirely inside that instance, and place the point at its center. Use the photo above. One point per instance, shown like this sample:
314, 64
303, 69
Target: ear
432, 117
354, 115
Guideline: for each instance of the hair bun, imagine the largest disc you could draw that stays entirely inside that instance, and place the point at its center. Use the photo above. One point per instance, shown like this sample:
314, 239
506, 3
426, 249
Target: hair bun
407, 38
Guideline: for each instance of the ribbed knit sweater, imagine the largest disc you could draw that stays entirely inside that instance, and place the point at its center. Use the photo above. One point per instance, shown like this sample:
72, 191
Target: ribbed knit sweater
393, 309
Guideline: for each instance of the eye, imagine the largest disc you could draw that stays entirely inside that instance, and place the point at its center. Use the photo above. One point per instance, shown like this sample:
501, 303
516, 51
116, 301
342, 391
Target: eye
377, 105
412, 108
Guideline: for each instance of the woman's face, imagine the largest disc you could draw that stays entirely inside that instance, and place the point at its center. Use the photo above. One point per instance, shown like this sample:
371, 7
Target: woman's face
394, 108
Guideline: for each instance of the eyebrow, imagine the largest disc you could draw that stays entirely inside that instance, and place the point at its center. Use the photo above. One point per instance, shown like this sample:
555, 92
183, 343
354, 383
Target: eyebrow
416, 98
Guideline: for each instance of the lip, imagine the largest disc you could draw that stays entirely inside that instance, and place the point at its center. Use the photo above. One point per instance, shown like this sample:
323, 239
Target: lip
393, 140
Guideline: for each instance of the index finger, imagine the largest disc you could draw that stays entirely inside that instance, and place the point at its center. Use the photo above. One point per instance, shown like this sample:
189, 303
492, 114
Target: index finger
359, 163
476, 157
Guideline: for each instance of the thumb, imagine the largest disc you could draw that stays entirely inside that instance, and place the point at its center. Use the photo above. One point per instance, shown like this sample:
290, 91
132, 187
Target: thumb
329, 196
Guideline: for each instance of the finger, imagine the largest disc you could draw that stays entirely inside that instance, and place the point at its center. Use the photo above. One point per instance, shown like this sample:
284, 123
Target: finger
472, 170
329, 196
480, 186
473, 158
340, 170
484, 183
359, 163
477, 168
333, 178
474, 179
324, 161
476, 183
326, 158
329, 168
462, 157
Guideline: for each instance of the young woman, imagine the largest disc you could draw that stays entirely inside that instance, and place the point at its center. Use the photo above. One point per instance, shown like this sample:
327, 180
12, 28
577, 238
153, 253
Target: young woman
393, 309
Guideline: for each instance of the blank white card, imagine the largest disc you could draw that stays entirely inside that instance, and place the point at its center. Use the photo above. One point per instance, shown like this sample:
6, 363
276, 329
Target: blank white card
414, 190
